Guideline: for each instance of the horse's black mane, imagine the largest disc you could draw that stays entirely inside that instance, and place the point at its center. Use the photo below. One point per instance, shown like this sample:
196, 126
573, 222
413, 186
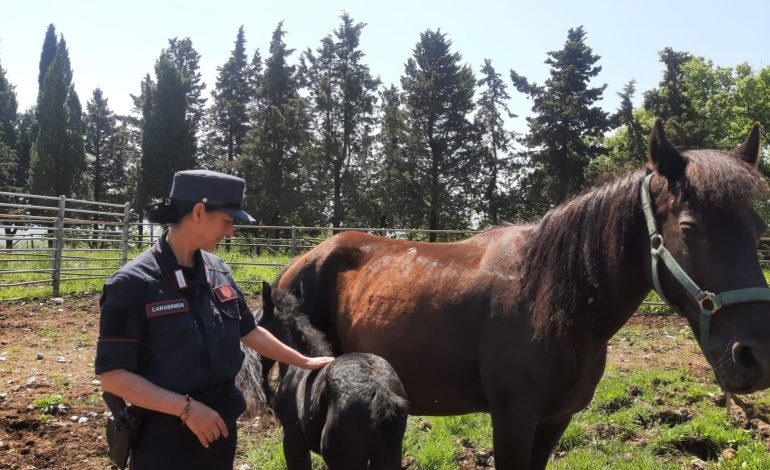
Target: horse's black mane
304, 336
580, 242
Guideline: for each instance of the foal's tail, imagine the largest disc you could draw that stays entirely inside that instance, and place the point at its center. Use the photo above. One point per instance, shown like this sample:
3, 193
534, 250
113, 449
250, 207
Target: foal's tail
390, 413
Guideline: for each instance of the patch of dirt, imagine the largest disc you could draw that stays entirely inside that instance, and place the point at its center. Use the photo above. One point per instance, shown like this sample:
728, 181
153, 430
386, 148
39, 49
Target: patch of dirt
47, 349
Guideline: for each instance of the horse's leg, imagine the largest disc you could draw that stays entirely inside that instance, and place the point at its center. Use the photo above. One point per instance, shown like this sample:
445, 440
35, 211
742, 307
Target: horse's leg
296, 452
547, 435
512, 437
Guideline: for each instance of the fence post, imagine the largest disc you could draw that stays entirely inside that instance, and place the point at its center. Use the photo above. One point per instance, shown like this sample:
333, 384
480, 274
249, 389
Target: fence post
126, 217
293, 241
58, 247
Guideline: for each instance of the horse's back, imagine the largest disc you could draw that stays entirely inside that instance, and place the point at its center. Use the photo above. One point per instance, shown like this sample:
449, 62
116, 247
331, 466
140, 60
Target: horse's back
421, 306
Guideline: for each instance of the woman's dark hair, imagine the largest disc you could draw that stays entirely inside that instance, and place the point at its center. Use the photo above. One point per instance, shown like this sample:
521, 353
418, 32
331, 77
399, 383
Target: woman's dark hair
169, 211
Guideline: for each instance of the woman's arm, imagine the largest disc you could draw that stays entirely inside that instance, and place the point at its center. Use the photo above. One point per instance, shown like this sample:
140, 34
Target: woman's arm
206, 423
263, 342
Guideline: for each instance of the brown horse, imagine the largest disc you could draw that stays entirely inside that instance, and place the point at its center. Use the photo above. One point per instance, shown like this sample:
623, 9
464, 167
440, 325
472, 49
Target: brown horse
515, 321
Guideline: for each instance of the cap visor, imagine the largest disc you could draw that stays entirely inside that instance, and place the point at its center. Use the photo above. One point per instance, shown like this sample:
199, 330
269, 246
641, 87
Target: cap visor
240, 214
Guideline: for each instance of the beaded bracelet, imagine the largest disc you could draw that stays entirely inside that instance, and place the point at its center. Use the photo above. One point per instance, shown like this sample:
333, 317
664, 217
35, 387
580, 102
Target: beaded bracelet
186, 412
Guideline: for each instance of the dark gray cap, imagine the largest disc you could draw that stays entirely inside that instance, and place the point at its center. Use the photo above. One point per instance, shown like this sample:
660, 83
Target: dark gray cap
217, 190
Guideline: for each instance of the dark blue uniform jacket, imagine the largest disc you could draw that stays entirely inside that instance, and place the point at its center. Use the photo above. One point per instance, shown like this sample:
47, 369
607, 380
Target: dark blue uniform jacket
181, 333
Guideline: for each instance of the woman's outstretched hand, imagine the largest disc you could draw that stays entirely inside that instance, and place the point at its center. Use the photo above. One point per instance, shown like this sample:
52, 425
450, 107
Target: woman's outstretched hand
313, 363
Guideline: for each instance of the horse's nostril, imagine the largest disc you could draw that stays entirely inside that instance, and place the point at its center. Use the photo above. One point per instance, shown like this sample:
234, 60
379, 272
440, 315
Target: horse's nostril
743, 357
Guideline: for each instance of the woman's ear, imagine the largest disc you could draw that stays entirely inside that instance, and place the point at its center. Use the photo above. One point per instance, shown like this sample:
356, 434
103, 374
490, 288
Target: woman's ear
197, 212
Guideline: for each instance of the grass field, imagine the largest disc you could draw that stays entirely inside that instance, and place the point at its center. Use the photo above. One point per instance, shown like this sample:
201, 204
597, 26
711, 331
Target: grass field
640, 418
643, 418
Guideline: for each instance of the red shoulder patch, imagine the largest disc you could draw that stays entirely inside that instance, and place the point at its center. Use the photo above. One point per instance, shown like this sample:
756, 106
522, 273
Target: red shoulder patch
225, 293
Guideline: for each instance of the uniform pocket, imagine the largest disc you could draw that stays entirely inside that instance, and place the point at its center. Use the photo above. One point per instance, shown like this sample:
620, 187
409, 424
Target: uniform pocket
168, 317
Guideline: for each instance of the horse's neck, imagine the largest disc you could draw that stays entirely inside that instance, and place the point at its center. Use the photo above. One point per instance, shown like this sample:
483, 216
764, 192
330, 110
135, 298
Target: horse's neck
586, 276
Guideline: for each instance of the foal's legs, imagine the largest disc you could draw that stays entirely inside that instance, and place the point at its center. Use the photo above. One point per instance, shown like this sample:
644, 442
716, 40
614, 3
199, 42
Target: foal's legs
512, 437
547, 435
296, 452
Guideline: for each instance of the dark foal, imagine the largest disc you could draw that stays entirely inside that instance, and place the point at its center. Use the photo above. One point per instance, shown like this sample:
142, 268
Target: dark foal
353, 412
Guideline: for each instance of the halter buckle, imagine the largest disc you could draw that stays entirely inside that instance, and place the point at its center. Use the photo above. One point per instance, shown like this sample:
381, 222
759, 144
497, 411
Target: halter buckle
656, 241
708, 301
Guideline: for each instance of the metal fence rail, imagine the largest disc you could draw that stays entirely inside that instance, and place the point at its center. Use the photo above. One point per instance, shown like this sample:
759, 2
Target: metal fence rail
53, 234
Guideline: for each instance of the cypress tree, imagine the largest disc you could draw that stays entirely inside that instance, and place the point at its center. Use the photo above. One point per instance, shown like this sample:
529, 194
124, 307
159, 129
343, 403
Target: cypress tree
167, 135
187, 62
229, 112
58, 157
271, 162
47, 54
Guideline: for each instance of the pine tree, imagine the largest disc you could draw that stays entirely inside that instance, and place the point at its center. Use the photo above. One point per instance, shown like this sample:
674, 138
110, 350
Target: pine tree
271, 161
492, 107
8, 134
565, 132
58, 157
167, 133
343, 96
635, 135
107, 168
439, 98
229, 112
670, 101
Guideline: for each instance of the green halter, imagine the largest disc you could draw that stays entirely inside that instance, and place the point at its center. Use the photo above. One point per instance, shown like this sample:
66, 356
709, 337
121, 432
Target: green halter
708, 301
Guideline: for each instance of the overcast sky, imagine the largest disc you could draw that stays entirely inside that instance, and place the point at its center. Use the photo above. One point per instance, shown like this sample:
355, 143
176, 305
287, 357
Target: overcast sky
113, 44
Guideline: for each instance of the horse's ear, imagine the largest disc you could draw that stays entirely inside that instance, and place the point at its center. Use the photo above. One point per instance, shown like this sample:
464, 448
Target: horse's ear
664, 157
267, 299
749, 150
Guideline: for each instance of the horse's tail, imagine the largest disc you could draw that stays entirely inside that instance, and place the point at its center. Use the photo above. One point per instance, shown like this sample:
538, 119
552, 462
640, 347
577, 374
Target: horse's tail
249, 382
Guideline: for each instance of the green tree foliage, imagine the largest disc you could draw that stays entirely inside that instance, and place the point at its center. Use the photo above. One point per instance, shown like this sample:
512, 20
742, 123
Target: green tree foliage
439, 98
167, 133
271, 160
8, 134
388, 191
343, 96
47, 54
627, 147
27, 130
565, 133
106, 148
187, 62
58, 157
492, 107
229, 112
671, 102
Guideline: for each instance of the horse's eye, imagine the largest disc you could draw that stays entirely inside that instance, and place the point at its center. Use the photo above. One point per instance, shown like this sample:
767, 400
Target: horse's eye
689, 228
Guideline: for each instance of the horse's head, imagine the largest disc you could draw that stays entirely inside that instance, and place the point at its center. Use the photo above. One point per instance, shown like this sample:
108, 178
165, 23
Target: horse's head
704, 237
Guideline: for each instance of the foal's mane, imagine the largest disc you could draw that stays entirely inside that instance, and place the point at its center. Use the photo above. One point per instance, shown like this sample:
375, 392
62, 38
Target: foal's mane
306, 338
580, 244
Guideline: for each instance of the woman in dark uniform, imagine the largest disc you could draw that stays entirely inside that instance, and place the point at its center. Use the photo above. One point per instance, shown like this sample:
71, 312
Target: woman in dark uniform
172, 321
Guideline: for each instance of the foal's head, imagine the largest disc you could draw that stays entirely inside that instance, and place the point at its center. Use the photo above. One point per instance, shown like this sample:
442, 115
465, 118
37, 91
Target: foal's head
280, 315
